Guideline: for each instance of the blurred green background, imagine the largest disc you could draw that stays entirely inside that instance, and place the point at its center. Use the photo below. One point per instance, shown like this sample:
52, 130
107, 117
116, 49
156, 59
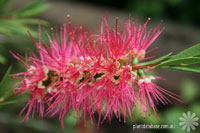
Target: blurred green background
182, 11
181, 19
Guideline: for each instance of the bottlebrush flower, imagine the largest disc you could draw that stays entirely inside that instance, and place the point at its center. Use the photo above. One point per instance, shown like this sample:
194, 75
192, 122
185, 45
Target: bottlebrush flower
88, 73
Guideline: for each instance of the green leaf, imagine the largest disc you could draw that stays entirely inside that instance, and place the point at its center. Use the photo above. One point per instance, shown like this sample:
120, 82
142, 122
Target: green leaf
189, 52
19, 26
14, 26
186, 68
7, 102
35, 8
3, 81
31, 21
156, 60
180, 61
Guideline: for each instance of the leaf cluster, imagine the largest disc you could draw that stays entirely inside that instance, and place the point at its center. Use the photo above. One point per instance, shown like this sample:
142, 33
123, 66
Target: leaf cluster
16, 22
187, 60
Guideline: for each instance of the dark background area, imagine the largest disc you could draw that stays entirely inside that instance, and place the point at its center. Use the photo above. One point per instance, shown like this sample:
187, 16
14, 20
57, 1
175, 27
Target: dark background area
183, 11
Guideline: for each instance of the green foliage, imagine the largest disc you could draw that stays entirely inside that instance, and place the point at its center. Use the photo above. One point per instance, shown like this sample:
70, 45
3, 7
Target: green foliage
186, 68
156, 60
16, 22
3, 92
33, 9
187, 60
12, 27
189, 52
180, 61
3, 81
187, 11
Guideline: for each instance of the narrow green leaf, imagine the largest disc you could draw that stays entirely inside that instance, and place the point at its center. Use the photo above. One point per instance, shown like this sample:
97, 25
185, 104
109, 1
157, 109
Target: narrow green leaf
156, 60
35, 8
3, 81
189, 52
7, 102
179, 61
31, 21
186, 68
14, 26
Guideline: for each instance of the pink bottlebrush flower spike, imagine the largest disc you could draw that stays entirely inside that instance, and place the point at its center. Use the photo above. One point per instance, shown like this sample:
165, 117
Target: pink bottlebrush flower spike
88, 73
